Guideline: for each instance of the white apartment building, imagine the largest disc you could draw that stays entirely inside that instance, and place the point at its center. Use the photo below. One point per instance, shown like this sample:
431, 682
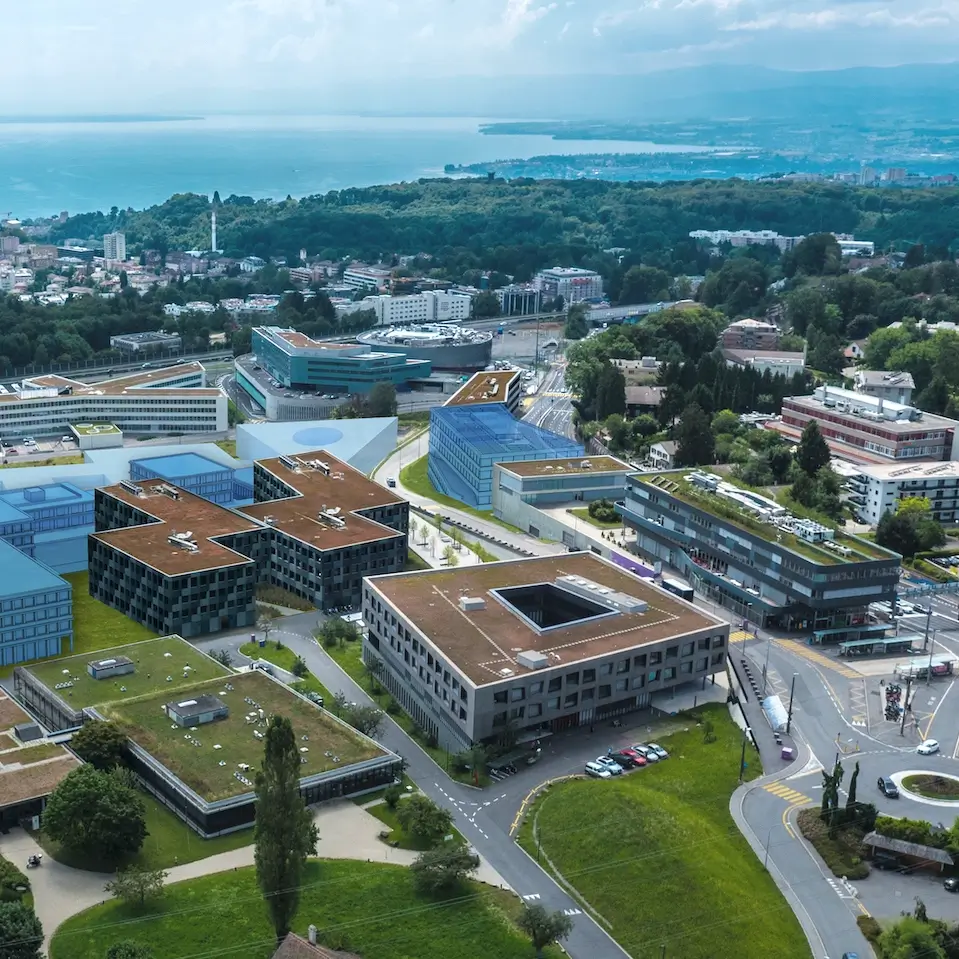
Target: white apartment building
171, 400
433, 306
115, 247
571, 283
366, 277
874, 490
746, 238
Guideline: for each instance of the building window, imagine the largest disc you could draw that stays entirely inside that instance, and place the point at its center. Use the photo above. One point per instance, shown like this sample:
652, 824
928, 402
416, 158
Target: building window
588, 694
702, 664
704, 643
717, 659
669, 672
719, 642
686, 668
572, 679
688, 649
552, 702
589, 676
536, 688
535, 709
517, 693
655, 659
606, 669
500, 697
605, 691
517, 712
639, 681
622, 666
570, 700
499, 719
554, 684
622, 685
640, 661
654, 676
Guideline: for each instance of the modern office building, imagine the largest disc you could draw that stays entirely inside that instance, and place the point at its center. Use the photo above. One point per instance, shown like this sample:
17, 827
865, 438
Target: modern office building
549, 481
539, 645
173, 561
329, 526
737, 238
750, 554
170, 400
897, 387
301, 363
366, 278
115, 247
519, 299
776, 362
189, 471
456, 348
878, 488
869, 429
466, 441
36, 611
571, 283
155, 341
750, 335
431, 306
493, 386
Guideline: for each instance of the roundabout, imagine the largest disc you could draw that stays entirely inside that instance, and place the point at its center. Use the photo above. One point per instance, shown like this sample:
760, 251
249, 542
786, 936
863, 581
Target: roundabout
931, 788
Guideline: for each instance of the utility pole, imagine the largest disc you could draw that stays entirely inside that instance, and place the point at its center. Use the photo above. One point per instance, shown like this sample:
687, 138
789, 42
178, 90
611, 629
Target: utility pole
932, 647
769, 642
789, 716
742, 758
905, 706
925, 642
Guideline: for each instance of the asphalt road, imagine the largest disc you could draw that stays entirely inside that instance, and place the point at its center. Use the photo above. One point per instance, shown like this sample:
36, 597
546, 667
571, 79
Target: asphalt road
552, 407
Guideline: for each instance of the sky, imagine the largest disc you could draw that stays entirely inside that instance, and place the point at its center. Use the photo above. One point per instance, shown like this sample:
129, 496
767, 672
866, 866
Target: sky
105, 57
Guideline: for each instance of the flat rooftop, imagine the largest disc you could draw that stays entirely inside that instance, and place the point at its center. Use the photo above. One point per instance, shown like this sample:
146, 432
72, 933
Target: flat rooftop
29, 498
483, 642
184, 513
597, 464
195, 757
94, 429
21, 574
493, 431
318, 482
900, 471
815, 406
155, 660
180, 465
488, 387
674, 483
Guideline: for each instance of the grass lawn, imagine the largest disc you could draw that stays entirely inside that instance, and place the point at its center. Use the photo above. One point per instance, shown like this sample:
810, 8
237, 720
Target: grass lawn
349, 658
583, 514
398, 835
228, 446
944, 788
843, 855
414, 562
325, 744
367, 908
71, 459
657, 854
415, 478
284, 658
169, 842
155, 660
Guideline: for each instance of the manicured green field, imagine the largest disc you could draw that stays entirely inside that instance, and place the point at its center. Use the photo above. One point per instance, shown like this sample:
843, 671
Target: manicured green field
399, 836
367, 908
96, 625
657, 854
943, 788
284, 658
169, 842
583, 514
195, 756
155, 660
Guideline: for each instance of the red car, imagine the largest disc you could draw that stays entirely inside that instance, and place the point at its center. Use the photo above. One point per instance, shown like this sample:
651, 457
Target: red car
638, 758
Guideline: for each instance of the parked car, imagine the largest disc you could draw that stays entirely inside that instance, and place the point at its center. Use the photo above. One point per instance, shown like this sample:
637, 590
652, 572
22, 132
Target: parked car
928, 747
888, 788
391, 482
625, 760
951, 884
598, 771
660, 752
637, 757
610, 764
644, 750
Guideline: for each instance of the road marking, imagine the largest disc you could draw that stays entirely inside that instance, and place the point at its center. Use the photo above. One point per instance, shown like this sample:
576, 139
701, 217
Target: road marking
532, 897
572, 912
813, 656
784, 792
925, 735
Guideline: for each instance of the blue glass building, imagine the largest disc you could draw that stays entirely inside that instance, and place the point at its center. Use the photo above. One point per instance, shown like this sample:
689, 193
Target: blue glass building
36, 610
465, 442
189, 471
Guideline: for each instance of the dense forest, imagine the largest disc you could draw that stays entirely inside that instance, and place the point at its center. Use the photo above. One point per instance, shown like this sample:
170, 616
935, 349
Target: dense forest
521, 225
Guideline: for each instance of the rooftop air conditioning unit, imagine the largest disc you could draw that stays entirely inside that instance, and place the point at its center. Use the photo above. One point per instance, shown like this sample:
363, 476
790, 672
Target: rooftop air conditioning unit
532, 659
469, 603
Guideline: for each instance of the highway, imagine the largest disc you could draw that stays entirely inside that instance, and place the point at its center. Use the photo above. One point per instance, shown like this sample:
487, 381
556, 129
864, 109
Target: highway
552, 407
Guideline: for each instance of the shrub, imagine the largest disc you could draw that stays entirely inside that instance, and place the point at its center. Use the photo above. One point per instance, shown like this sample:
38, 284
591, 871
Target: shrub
10, 879
603, 511
869, 927
392, 796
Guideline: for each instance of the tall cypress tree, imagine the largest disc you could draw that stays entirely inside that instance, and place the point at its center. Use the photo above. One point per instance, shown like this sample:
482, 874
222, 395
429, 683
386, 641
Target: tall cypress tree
285, 833
813, 453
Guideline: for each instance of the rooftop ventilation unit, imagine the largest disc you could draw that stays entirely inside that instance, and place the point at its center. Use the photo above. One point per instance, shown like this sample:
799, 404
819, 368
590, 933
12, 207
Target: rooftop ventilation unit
131, 488
329, 517
186, 544
170, 491
586, 465
469, 603
614, 599
532, 659
288, 462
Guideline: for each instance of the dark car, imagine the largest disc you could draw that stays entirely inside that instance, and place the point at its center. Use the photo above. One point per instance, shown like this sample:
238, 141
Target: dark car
624, 759
888, 788
951, 884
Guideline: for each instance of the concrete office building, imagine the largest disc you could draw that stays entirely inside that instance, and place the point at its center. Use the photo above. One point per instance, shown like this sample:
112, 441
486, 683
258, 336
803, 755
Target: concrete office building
897, 387
750, 335
36, 611
366, 278
455, 348
493, 386
171, 400
301, 363
571, 283
776, 362
550, 481
155, 341
115, 247
328, 527
868, 429
173, 561
738, 238
431, 306
878, 488
189, 471
519, 299
750, 554
540, 644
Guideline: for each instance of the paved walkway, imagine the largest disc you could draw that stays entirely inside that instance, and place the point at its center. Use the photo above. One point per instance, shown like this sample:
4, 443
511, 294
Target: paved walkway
347, 831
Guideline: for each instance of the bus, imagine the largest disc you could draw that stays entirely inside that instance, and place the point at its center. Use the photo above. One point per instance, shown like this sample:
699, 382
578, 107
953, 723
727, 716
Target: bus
677, 589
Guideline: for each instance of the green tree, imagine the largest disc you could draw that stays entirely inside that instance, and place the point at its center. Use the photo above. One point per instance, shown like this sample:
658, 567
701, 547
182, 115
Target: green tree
423, 818
284, 834
911, 529
910, 939
136, 885
644, 284
443, 868
814, 255
485, 304
851, 794
99, 743
21, 935
365, 719
93, 813
542, 927
813, 453
610, 392
127, 949
725, 421
695, 443
300, 669
576, 327
382, 400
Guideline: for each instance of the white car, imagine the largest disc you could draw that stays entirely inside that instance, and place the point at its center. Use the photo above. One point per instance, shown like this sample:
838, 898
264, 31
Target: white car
660, 752
610, 765
598, 771
928, 747
651, 755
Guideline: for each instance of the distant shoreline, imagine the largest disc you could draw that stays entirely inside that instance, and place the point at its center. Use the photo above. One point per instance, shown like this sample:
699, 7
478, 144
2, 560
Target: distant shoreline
96, 118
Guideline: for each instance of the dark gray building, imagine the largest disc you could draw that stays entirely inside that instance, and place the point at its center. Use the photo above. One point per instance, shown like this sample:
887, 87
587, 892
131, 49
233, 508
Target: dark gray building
107, 668
197, 710
751, 554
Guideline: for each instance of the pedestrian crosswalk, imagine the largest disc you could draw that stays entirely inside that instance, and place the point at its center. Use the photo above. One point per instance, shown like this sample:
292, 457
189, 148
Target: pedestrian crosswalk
814, 656
791, 796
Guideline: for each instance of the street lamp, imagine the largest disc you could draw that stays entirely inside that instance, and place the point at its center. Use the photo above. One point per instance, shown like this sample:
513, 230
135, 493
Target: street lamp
749, 606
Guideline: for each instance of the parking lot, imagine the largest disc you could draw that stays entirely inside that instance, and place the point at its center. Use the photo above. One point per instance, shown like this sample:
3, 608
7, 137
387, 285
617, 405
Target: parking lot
36, 446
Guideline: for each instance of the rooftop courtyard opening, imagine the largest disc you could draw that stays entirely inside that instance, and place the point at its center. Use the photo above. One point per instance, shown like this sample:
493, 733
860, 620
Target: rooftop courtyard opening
546, 606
